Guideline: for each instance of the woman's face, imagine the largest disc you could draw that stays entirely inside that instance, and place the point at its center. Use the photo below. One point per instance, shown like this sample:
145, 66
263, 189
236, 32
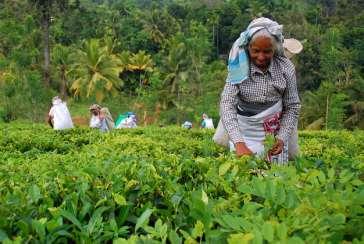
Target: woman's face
95, 112
261, 52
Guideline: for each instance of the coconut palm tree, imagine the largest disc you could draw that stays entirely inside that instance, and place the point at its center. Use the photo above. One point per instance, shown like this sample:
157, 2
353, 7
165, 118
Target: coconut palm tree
61, 56
159, 24
142, 63
95, 71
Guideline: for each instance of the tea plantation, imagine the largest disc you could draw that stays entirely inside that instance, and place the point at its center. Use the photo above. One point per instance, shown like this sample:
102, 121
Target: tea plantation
169, 185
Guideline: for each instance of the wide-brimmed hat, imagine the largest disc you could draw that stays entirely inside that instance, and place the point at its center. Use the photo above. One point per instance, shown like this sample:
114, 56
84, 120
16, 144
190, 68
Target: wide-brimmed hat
292, 46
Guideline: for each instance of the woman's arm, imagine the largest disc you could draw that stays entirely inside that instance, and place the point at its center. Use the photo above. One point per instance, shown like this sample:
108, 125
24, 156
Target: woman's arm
229, 113
230, 120
50, 120
50, 117
291, 104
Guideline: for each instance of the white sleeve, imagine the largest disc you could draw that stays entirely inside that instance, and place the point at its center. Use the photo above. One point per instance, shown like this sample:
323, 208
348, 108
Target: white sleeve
95, 122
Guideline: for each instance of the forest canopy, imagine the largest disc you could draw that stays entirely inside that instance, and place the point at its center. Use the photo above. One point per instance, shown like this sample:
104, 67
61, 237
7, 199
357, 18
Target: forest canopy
167, 59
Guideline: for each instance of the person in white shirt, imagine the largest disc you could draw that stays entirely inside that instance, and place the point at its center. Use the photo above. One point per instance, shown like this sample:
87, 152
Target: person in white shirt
187, 125
59, 116
207, 122
101, 118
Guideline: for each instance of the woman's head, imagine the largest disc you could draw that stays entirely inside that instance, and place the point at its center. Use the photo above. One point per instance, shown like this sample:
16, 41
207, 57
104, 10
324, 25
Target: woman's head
262, 47
95, 112
56, 100
95, 109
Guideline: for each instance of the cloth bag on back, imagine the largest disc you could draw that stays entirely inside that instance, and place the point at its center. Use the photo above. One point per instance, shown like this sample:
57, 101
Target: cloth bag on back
61, 115
221, 136
209, 124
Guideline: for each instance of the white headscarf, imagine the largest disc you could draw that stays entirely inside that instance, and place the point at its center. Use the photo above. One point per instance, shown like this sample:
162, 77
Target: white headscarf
56, 100
238, 63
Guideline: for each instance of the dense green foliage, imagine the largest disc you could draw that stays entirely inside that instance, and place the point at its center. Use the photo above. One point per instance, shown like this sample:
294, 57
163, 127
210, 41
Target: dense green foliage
169, 56
171, 185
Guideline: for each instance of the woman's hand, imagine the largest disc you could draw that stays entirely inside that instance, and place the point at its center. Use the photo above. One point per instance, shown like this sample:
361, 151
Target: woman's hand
277, 147
241, 149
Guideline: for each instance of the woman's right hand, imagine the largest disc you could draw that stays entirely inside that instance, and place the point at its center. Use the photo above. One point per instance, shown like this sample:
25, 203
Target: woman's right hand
241, 149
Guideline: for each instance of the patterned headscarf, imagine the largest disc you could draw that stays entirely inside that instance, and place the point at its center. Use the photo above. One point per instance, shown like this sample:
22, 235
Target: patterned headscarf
95, 107
238, 63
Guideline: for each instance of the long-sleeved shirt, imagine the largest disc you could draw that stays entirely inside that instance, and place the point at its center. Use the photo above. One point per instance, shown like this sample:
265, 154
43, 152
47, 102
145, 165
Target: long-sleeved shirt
261, 88
100, 123
95, 122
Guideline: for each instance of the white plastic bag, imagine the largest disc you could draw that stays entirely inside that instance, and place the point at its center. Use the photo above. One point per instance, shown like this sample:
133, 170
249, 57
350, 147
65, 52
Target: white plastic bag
221, 136
61, 116
209, 124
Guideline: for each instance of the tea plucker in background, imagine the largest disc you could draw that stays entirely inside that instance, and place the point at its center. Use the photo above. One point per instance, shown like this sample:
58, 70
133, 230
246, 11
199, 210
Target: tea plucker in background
101, 118
207, 123
260, 95
59, 116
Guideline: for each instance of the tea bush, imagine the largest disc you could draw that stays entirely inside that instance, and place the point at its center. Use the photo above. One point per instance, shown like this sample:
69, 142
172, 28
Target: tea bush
169, 185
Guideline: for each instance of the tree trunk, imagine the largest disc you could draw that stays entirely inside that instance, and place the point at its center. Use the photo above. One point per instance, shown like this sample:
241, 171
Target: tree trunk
327, 111
179, 111
63, 89
217, 41
213, 34
46, 51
